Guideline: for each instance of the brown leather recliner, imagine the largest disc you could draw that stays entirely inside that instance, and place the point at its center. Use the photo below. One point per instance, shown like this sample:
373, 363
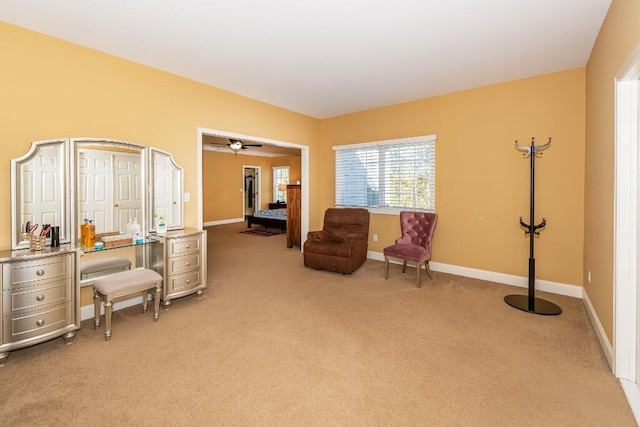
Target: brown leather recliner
341, 245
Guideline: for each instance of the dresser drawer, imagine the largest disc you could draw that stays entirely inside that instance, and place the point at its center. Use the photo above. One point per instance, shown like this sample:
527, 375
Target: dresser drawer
36, 297
183, 282
18, 328
183, 245
23, 273
183, 264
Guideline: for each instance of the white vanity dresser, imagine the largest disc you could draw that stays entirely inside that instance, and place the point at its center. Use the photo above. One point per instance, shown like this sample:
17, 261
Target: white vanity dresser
40, 297
62, 182
181, 260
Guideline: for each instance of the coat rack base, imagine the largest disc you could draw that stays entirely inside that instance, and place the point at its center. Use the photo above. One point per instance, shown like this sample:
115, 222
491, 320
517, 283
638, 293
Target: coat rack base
537, 306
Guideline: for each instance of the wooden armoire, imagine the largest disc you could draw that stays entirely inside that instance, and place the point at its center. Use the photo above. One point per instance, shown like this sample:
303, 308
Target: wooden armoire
293, 215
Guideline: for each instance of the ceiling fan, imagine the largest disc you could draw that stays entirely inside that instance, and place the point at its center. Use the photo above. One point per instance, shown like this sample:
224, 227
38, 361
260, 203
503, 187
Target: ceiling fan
236, 145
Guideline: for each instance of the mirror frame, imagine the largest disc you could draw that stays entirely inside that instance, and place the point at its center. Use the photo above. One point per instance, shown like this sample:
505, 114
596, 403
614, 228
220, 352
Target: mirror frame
76, 145
179, 187
63, 189
70, 222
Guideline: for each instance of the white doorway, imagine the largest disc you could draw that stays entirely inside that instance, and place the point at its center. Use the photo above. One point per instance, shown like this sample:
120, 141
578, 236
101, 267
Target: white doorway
252, 185
626, 235
304, 170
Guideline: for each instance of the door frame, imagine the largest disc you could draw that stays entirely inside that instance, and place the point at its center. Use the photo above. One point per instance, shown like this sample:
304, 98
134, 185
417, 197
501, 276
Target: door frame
626, 241
257, 182
304, 171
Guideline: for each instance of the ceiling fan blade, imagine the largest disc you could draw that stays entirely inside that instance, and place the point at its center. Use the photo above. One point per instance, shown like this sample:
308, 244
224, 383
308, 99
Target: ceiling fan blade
252, 145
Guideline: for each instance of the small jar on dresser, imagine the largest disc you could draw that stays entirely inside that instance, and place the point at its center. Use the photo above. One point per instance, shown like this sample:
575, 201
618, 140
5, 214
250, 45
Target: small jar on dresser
40, 297
181, 259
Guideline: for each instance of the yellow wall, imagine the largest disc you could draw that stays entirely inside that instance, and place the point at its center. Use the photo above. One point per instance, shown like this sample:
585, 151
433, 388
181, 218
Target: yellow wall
54, 89
482, 181
618, 37
223, 179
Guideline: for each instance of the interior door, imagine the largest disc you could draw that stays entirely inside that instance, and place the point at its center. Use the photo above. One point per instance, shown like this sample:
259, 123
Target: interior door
95, 198
251, 189
40, 197
167, 188
127, 190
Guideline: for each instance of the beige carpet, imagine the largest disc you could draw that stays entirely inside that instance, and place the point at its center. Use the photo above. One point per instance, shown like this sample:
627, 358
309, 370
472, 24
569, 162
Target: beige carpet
271, 343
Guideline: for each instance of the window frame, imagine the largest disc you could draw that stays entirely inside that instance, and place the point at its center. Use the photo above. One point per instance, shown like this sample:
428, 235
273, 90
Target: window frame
427, 139
275, 181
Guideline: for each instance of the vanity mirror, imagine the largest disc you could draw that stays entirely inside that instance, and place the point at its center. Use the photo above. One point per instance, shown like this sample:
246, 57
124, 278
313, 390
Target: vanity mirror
40, 191
168, 188
62, 182
109, 184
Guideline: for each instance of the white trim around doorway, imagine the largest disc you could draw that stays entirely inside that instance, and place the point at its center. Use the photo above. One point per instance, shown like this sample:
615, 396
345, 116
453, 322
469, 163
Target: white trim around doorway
304, 169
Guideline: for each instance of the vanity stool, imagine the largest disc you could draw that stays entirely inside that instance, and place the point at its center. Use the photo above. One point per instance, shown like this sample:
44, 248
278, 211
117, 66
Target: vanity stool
123, 284
102, 266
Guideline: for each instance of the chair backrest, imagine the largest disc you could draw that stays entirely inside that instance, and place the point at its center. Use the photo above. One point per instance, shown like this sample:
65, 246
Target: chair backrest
342, 221
417, 227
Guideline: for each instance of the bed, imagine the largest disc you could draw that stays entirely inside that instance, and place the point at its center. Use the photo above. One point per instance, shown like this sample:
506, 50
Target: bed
269, 218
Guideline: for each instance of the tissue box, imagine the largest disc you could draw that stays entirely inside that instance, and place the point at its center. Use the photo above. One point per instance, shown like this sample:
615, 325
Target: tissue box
120, 239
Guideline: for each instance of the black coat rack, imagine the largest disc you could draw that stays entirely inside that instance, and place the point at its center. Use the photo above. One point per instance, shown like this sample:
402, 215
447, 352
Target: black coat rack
529, 302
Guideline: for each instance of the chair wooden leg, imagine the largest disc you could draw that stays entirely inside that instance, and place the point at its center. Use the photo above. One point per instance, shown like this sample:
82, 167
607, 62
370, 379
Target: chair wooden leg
418, 270
386, 267
404, 265
426, 266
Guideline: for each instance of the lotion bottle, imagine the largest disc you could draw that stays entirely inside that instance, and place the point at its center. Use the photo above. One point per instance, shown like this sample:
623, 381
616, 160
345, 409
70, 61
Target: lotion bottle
135, 231
162, 226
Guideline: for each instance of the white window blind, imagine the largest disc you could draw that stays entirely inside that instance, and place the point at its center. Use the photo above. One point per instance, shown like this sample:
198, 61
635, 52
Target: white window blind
395, 174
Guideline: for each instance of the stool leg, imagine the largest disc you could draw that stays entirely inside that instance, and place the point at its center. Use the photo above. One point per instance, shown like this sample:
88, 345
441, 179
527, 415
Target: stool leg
108, 308
96, 310
404, 266
386, 267
145, 294
156, 304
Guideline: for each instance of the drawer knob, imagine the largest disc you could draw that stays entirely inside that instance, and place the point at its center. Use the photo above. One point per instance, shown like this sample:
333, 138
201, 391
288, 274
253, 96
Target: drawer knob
187, 246
40, 272
40, 297
187, 263
40, 322
188, 281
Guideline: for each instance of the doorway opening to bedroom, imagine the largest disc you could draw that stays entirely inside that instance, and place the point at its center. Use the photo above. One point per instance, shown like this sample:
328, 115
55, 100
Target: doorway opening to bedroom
251, 177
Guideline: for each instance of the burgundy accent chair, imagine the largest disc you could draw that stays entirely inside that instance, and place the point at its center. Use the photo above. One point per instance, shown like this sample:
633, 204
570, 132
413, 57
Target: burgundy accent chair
415, 243
341, 246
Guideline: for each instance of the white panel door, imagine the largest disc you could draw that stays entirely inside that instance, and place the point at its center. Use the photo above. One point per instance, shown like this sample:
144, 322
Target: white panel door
167, 189
127, 189
41, 198
94, 195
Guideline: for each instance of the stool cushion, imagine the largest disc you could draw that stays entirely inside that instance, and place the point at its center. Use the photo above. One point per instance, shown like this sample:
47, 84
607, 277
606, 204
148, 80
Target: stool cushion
104, 264
123, 280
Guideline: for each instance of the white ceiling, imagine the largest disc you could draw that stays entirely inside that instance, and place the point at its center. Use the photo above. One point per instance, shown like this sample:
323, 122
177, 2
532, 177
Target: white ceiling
325, 58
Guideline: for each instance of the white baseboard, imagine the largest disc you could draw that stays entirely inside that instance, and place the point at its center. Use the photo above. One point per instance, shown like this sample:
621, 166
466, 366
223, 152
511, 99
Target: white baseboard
607, 348
632, 392
87, 311
491, 276
223, 221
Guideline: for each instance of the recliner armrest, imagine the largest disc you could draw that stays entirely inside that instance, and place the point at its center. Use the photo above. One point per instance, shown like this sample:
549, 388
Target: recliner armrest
355, 236
318, 236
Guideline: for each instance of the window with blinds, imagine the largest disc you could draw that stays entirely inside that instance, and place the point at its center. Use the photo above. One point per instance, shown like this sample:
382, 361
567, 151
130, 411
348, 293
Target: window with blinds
394, 174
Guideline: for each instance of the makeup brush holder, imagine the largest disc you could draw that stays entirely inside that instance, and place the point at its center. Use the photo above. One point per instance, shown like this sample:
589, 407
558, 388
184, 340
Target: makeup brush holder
37, 243
24, 236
